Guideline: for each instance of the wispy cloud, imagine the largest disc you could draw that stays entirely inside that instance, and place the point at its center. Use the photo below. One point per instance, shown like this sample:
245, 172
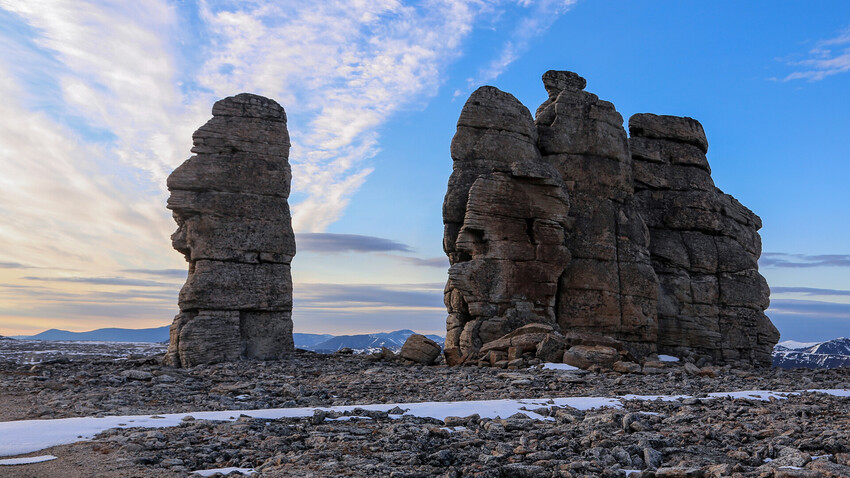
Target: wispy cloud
812, 308
369, 296
174, 273
809, 291
828, 57
341, 70
101, 98
541, 15
781, 259
335, 243
441, 262
122, 281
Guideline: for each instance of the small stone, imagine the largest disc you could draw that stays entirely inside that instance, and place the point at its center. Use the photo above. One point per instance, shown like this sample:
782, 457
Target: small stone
137, 375
626, 367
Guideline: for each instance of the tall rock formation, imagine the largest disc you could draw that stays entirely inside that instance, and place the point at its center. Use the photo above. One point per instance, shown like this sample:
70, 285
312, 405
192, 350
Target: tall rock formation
646, 251
505, 213
234, 227
609, 287
704, 247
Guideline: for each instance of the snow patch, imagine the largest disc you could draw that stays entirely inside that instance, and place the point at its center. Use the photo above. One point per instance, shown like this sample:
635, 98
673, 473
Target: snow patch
27, 460
558, 366
27, 436
224, 471
668, 358
347, 418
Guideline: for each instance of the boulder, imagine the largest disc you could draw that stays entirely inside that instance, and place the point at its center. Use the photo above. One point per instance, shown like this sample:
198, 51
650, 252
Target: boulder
420, 349
524, 339
585, 356
551, 348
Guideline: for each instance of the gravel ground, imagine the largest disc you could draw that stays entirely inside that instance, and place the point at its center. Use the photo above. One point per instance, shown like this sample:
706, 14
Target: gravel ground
687, 437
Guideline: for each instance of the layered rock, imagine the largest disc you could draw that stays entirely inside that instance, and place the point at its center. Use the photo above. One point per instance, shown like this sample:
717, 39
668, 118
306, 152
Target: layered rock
648, 252
505, 213
609, 286
234, 228
704, 247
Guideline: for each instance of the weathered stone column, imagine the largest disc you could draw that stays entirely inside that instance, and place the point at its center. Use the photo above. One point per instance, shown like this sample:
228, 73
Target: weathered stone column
704, 246
505, 213
609, 287
234, 227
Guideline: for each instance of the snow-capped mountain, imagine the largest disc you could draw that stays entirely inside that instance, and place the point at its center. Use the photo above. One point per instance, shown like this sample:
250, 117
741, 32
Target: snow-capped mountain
830, 354
367, 342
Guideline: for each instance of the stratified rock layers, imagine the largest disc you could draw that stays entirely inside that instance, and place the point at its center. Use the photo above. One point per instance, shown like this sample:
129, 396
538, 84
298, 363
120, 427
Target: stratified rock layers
704, 247
505, 214
234, 227
609, 287
566, 221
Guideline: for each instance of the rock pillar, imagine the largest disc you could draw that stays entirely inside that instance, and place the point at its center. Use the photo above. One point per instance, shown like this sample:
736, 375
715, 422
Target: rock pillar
505, 213
704, 246
234, 227
609, 287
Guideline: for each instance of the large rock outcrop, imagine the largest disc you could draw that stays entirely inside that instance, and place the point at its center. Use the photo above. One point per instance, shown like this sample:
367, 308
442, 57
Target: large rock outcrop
704, 247
646, 250
505, 216
234, 227
609, 287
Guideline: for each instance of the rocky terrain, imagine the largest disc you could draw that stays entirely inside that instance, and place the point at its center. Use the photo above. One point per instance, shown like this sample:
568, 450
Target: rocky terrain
802, 435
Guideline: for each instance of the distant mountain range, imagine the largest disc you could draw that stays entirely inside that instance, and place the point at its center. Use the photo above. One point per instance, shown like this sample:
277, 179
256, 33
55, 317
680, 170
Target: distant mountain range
364, 342
830, 354
157, 334
324, 343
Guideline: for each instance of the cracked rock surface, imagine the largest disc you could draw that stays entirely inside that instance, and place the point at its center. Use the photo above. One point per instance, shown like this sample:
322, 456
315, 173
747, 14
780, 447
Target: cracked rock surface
234, 227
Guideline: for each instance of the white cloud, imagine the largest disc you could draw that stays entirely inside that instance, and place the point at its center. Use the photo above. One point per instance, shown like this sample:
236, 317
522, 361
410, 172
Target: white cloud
540, 18
829, 57
341, 70
101, 98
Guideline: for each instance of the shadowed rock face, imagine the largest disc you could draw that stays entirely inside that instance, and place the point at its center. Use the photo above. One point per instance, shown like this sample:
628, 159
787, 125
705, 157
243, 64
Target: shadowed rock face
646, 250
234, 227
609, 287
704, 247
505, 214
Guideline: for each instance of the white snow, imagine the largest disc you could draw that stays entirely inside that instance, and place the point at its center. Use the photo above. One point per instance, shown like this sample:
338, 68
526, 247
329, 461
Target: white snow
663, 398
347, 418
27, 460
793, 344
224, 471
558, 366
668, 358
760, 394
454, 429
27, 436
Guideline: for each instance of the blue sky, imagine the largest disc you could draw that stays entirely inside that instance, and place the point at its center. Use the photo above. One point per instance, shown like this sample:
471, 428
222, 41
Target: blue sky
101, 98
